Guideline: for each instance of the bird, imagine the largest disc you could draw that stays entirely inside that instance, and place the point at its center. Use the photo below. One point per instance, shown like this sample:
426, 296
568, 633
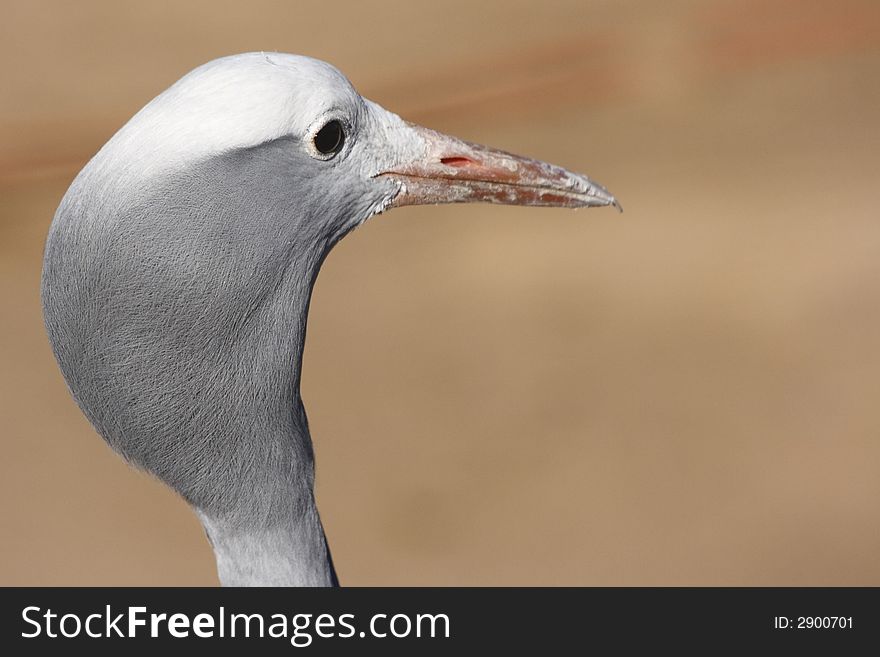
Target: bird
179, 266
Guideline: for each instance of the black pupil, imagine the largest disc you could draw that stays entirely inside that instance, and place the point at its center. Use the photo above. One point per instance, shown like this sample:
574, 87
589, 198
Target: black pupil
329, 138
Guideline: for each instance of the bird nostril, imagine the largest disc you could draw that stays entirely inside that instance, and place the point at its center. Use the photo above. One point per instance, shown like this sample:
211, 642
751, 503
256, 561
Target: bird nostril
456, 161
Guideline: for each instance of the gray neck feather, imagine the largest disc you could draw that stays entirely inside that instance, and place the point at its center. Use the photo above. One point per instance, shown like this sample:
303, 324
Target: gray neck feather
177, 311
292, 553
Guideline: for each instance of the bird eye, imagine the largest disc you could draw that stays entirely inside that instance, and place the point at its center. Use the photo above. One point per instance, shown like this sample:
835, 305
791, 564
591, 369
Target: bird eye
329, 139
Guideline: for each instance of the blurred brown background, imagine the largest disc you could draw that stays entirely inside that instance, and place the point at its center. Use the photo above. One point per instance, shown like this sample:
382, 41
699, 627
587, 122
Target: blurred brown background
684, 394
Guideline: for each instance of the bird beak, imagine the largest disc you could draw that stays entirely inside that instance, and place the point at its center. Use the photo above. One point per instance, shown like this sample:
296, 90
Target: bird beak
455, 171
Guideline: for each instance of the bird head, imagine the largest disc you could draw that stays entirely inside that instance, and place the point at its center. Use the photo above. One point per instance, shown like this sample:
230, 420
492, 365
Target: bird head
353, 157
179, 265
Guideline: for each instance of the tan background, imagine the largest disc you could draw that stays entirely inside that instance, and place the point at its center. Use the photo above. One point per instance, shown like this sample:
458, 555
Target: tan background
684, 394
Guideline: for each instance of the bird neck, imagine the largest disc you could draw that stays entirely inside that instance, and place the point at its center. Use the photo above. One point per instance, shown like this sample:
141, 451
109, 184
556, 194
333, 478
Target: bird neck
291, 553
182, 334
268, 531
